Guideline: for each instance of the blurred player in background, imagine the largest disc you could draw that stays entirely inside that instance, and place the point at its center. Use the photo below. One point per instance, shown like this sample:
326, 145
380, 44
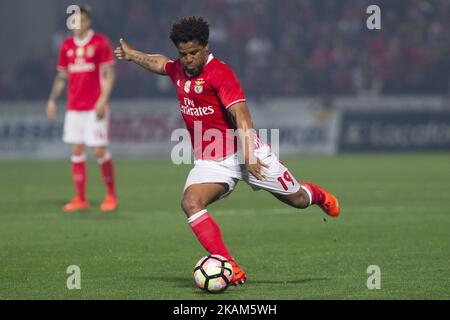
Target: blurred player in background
86, 61
211, 97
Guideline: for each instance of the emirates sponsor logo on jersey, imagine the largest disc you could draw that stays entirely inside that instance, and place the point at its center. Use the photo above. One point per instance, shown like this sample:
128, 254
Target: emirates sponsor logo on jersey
189, 108
81, 67
197, 111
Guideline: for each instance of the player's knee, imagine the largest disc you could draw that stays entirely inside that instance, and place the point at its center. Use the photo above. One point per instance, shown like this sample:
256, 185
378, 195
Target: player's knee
99, 153
299, 200
191, 205
78, 148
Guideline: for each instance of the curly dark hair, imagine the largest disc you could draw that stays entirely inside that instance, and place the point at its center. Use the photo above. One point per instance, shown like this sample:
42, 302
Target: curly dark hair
190, 29
86, 9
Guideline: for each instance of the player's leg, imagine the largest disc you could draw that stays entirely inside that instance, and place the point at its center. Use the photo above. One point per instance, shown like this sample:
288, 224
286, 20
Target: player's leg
299, 199
206, 183
198, 196
97, 137
106, 165
310, 194
74, 135
78, 159
282, 184
195, 200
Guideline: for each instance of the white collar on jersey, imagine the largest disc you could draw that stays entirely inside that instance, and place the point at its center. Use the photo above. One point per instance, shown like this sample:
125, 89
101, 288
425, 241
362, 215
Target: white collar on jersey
82, 43
210, 57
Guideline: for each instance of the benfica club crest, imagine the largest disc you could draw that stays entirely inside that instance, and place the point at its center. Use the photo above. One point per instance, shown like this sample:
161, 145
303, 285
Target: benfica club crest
198, 88
90, 51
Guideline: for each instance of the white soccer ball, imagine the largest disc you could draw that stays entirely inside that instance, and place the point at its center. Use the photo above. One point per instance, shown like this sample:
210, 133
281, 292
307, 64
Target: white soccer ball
213, 273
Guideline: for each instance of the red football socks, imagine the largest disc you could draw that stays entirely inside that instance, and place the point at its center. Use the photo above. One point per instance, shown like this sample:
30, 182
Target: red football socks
208, 233
315, 194
79, 174
107, 169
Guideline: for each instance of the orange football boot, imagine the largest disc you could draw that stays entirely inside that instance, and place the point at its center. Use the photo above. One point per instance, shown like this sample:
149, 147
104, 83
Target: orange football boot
330, 204
76, 204
109, 204
239, 275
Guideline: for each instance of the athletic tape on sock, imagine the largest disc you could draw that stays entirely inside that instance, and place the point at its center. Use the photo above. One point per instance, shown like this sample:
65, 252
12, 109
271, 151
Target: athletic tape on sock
308, 192
106, 157
196, 216
78, 158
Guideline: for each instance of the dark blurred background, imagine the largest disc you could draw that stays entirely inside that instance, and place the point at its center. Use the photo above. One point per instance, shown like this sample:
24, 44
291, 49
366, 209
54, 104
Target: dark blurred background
277, 48
310, 68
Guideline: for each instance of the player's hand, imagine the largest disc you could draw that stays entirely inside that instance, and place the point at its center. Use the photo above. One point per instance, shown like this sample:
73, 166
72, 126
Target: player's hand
256, 167
122, 52
51, 110
100, 107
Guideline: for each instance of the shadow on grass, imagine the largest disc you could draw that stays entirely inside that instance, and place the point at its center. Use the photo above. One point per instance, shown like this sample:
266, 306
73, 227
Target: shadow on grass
184, 283
187, 282
93, 213
96, 214
286, 282
179, 282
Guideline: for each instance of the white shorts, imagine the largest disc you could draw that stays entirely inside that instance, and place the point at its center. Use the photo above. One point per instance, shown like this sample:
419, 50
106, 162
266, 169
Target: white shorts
278, 178
83, 127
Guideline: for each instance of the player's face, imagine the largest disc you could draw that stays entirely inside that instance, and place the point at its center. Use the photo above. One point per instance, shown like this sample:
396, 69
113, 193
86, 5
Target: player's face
85, 25
193, 56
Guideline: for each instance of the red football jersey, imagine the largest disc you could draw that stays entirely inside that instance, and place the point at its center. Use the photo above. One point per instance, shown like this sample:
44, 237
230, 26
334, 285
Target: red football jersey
204, 101
83, 59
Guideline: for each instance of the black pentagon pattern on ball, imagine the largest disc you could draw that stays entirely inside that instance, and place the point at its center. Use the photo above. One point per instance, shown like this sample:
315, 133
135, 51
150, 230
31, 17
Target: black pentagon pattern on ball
202, 271
221, 274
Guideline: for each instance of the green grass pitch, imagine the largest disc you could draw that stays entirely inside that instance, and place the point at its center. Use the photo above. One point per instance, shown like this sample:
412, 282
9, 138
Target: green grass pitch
395, 214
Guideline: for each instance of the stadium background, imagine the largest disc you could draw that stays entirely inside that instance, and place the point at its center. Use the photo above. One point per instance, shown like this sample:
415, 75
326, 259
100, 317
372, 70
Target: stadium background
364, 112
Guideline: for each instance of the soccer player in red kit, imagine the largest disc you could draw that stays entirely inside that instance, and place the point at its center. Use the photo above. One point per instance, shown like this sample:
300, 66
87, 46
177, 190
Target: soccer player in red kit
86, 60
211, 98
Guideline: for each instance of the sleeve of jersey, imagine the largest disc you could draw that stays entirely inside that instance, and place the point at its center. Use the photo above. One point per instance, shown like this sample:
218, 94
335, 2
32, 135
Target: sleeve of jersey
106, 53
62, 59
169, 67
228, 88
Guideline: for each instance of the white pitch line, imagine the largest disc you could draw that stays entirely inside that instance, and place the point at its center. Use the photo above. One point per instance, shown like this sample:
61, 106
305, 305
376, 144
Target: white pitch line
293, 211
249, 212
231, 212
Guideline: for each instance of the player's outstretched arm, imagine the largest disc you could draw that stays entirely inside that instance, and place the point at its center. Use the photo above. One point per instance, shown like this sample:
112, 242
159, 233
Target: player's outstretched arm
58, 87
152, 62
